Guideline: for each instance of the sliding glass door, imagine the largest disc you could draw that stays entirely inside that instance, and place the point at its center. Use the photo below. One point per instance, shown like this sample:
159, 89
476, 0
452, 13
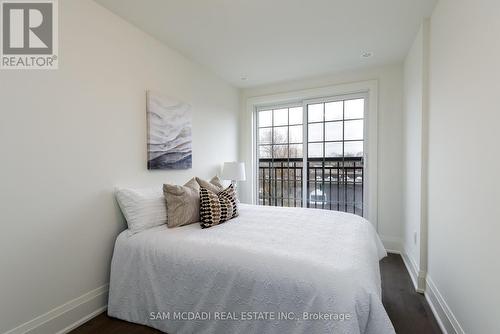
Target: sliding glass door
312, 154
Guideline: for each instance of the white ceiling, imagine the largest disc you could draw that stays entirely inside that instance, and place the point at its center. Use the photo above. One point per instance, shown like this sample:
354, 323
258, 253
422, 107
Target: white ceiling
269, 41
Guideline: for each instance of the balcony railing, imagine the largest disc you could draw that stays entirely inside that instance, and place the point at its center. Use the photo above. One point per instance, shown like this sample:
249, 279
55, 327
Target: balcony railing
332, 183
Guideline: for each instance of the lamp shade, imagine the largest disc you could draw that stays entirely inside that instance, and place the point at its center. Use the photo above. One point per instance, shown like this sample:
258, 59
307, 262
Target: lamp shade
234, 171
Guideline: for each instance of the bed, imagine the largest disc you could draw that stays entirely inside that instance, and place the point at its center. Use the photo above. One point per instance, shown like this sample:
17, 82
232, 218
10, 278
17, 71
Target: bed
270, 270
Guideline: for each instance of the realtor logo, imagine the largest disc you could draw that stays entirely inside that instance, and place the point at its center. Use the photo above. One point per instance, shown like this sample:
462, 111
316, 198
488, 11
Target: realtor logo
29, 34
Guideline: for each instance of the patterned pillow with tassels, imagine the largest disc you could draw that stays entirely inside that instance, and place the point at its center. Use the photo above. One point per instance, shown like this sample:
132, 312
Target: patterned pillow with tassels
218, 208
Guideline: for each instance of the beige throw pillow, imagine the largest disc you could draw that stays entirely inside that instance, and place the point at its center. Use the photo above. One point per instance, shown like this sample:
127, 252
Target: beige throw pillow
183, 203
215, 184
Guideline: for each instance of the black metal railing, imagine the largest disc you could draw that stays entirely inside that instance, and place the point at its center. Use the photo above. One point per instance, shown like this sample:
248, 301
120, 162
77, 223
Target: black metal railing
332, 183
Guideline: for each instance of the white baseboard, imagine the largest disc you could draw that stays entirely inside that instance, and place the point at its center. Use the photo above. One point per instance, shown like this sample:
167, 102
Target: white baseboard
417, 276
411, 268
444, 316
68, 316
83, 320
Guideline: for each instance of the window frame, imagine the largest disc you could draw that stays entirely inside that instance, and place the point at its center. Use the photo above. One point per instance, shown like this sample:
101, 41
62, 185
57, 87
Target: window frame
248, 191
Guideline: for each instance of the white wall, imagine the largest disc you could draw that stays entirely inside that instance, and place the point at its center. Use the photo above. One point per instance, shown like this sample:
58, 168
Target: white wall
464, 187
67, 137
415, 155
390, 156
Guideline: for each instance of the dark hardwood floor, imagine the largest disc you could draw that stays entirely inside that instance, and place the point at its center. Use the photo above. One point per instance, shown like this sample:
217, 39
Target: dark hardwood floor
407, 309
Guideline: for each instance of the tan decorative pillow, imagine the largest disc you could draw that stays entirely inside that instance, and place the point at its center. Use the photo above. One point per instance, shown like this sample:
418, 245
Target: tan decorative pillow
218, 208
183, 203
215, 184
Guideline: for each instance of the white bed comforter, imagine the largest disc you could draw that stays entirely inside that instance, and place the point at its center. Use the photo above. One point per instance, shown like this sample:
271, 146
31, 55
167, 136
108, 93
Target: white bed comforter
282, 266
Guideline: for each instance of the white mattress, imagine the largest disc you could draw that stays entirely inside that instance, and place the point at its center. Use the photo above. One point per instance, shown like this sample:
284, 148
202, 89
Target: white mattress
269, 263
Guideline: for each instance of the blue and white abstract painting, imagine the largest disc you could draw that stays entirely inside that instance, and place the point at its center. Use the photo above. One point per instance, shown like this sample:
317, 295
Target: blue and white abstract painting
169, 133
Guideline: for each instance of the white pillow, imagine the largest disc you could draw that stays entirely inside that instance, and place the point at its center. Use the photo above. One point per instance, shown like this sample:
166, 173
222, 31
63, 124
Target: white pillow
142, 208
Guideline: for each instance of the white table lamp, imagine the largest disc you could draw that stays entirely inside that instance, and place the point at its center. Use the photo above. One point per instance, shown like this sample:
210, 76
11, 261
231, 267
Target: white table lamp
234, 171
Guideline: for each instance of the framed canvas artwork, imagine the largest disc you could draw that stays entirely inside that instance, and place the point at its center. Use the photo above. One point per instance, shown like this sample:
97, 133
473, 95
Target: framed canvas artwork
169, 132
